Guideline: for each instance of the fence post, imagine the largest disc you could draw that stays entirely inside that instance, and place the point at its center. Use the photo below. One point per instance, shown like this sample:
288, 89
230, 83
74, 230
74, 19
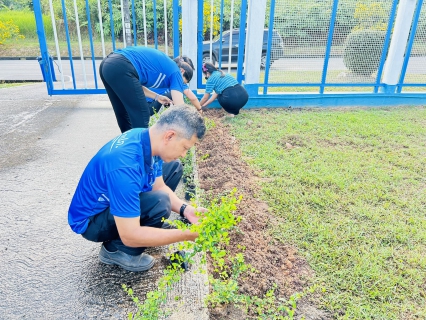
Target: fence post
414, 28
189, 36
126, 24
45, 58
242, 39
176, 12
200, 38
395, 59
253, 49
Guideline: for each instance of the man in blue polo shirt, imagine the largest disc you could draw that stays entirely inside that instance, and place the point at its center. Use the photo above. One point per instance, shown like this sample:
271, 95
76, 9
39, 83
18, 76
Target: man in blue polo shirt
121, 197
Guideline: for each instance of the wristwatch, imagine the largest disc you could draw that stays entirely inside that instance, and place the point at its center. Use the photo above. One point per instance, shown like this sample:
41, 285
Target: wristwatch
182, 209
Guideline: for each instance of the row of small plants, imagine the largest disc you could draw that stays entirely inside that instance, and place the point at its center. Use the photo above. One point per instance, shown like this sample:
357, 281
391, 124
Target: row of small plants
213, 236
213, 229
188, 163
188, 177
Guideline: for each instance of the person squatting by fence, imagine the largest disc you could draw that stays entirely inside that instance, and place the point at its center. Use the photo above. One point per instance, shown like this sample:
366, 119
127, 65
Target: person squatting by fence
154, 105
229, 93
121, 198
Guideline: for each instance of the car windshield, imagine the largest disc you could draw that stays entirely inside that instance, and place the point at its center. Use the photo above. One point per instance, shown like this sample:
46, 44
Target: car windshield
223, 34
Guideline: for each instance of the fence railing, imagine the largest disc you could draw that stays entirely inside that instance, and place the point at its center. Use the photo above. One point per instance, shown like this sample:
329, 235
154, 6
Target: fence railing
288, 53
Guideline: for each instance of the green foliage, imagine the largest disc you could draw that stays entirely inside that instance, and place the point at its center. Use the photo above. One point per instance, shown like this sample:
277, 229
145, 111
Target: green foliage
363, 50
216, 17
149, 16
305, 22
149, 19
15, 4
25, 21
210, 124
371, 16
213, 231
9, 30
188, 166
213, 234
71, 16
154, 118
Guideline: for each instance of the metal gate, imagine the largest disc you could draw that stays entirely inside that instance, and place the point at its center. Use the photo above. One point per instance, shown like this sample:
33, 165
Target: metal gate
78, 51
309, 54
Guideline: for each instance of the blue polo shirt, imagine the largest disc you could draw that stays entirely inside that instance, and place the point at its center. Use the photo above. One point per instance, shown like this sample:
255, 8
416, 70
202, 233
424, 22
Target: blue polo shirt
164, 91
155, 69
218, 83
114, 178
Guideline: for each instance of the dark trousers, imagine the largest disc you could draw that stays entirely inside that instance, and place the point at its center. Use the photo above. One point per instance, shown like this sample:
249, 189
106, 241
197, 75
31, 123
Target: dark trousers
232, 99
155, 106
125, 92
155, 206
172, 173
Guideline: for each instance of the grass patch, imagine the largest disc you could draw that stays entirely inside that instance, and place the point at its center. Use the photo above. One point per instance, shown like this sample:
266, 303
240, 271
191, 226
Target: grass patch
333, 76
30, 47
4, 85
25, 20
351, 193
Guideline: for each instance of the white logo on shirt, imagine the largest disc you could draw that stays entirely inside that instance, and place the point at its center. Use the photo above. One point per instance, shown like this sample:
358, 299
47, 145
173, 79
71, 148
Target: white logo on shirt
159, 80
103, 197
119, 141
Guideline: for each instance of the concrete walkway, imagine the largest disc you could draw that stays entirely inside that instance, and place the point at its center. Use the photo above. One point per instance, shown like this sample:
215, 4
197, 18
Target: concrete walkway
47, 271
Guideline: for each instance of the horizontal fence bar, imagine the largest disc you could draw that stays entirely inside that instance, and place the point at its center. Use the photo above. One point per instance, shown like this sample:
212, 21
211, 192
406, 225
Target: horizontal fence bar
318, 84
67, 92
330, 100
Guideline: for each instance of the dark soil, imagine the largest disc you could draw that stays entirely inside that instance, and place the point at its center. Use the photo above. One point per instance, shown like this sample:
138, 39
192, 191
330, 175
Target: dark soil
276, 263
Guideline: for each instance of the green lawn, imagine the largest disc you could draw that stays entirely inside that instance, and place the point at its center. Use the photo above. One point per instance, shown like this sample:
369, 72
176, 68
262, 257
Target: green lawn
13, 84
334, 76
30, 47
351, 196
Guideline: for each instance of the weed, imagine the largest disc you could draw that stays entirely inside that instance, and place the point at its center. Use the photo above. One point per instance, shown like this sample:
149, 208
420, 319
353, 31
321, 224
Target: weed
205, 156
210, 124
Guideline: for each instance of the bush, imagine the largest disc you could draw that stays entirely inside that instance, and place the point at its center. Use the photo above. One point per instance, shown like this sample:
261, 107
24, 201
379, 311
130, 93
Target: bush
25, 21
305, 22
363, 50
9, 30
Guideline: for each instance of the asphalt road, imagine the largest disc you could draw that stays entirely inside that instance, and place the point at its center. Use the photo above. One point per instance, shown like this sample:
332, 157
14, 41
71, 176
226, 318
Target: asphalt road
47, 271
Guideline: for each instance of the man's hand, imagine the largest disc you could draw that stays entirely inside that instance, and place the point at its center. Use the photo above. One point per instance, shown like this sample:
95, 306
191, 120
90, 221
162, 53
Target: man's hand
190, 236
164, 100
189, 213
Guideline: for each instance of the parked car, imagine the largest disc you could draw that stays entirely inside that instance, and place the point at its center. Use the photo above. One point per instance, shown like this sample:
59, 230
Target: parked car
277, 47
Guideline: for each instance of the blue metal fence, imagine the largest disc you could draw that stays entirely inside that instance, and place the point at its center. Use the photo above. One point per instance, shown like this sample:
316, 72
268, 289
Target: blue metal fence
311, 71
73, 65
